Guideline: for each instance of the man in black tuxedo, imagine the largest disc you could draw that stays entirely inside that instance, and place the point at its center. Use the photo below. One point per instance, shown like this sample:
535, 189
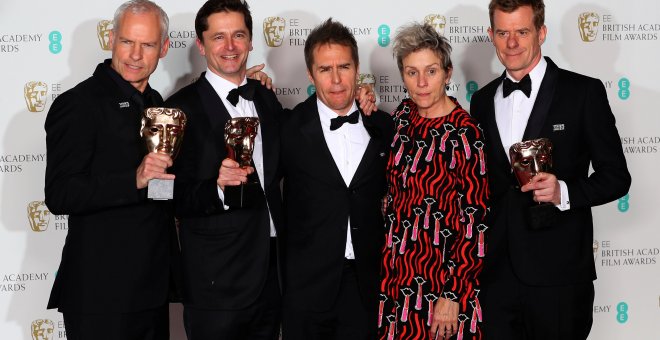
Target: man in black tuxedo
537, 283
114, 277
333, 161
229, 252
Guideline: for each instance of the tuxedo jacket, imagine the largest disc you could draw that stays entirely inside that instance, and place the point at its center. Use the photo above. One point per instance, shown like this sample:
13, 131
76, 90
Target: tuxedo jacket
318, 205
117, 254
225, 253
571, 110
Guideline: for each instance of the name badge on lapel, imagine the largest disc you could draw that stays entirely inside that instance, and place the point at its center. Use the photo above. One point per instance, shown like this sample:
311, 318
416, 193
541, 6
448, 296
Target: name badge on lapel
124, 105
558, 127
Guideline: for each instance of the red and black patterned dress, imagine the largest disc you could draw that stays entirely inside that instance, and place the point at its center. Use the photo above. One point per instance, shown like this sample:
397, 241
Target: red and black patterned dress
434, 230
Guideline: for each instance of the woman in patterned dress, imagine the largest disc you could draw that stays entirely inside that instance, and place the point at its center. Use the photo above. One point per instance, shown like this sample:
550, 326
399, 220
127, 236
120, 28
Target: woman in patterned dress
435, 204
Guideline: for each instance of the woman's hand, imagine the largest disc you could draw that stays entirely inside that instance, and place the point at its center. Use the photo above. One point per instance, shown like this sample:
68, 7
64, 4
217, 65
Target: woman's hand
445, 319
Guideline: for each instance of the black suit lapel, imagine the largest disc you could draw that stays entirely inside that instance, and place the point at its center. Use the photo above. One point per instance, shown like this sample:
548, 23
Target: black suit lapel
371, 153
216, 112
313, 133
268, 135
543, 101
496, 144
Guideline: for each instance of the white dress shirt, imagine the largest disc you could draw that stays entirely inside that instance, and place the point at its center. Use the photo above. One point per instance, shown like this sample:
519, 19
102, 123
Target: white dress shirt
347, 145
244, 108
512, 114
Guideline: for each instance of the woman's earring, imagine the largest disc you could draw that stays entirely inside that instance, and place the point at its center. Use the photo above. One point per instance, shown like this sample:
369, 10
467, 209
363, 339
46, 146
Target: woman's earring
405, 93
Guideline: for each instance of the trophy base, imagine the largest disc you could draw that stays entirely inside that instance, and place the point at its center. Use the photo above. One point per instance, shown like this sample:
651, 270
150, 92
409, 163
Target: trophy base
160, 189
242, 196
542, 216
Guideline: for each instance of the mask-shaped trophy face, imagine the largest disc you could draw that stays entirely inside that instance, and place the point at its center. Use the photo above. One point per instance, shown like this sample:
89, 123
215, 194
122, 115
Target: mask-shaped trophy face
162, 129
42, 329
38, 215
588, 24
437, 21
528, 158
274, 31
35, 93
103, 29
239, 138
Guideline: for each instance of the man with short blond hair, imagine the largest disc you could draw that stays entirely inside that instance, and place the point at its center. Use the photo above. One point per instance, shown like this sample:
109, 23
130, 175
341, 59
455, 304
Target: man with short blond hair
114, 278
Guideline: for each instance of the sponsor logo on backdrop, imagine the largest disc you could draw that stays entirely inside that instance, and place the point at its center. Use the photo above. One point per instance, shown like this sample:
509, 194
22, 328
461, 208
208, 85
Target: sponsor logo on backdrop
274, 31
384, 32
36, 95
103, 29
595, 246
437, 21
622, 312
55, 39
311, 89
288, 91
624, 203
390, 91
613, 255
14, 42
38, 216
20, 282
640, 144
182, 39
593, 26
588, 25
280, 31
366, 79
16, 163
42, 329
624, 88
456, 31
470, 88
619, 312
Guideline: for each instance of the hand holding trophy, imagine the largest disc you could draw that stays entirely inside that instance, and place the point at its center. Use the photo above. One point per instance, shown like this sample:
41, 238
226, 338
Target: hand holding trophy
162, 131
240, 134
528, 158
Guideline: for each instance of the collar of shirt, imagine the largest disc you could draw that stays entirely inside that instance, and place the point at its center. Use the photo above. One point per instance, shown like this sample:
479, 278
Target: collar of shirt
536, 75
512, 112
326, 113
147, 98
222, 86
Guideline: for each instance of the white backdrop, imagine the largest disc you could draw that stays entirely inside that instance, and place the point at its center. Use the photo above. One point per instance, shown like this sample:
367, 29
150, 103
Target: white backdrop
49, 46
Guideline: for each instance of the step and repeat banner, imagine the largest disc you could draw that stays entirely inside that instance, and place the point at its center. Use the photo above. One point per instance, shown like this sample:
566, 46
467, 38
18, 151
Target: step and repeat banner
47, 47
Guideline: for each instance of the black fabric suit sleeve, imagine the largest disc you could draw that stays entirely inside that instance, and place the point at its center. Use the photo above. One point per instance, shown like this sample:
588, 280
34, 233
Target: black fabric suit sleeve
610, 179
72, 185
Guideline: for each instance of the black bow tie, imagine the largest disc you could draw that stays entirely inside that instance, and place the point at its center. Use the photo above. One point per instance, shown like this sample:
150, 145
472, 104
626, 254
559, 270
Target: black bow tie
336, 123
525, 85
246, 91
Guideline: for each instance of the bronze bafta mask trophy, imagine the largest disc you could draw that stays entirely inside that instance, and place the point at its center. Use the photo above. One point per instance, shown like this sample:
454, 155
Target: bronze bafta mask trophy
528, 158
240, 134
162, 131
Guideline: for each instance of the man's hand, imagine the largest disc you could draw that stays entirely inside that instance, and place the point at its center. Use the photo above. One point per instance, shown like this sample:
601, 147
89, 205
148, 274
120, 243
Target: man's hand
367, 98
445, 319
255, 72
231, 173
545, 187
154, 165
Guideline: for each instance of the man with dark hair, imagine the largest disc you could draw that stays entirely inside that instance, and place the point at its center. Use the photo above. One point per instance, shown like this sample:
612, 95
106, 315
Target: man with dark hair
333, 161
114, 277
538, 277
229, 251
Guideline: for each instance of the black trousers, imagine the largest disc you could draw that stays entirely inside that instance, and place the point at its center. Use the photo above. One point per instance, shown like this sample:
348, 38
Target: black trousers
151, 324
261, 320
513, 310
347, 319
